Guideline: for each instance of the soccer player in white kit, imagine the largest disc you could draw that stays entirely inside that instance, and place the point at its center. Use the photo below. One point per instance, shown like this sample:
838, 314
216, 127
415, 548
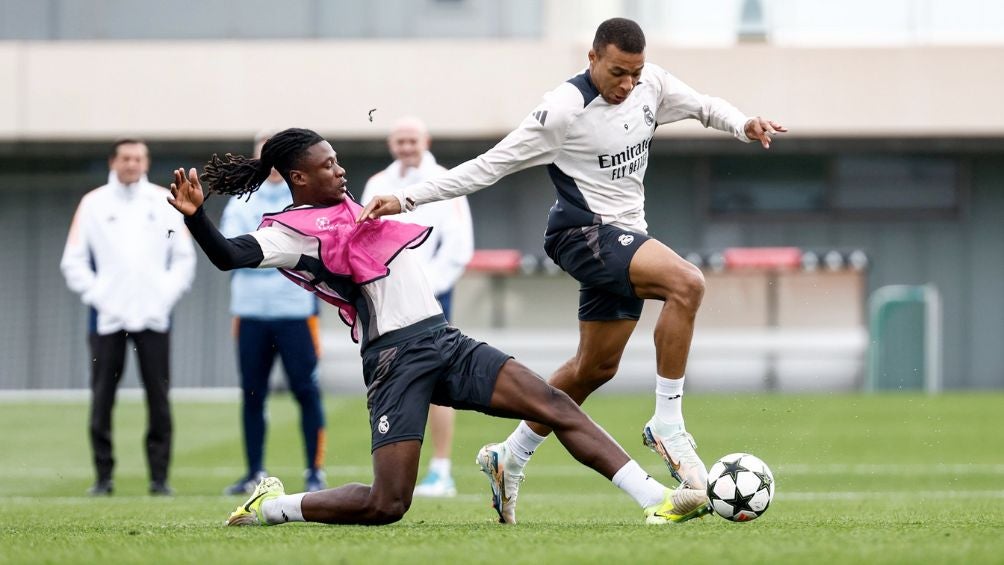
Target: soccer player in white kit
593, 133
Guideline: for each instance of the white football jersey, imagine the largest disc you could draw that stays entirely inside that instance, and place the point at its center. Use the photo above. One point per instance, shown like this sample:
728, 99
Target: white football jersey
596, 153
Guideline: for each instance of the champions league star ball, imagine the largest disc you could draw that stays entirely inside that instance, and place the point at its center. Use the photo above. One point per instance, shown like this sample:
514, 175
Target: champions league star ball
740, 487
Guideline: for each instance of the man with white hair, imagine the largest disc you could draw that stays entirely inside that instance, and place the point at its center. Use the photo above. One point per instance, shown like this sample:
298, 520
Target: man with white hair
443, 259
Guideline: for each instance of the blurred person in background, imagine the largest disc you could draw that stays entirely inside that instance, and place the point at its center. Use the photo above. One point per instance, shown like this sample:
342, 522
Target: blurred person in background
131, 259
443, 257
593, 133
273, 317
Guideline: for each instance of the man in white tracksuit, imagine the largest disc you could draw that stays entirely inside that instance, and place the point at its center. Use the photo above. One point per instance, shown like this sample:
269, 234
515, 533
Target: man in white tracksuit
443, 257
131, 258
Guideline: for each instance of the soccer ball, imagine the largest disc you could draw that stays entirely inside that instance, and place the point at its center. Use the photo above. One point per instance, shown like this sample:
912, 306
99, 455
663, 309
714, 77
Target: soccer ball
740, 487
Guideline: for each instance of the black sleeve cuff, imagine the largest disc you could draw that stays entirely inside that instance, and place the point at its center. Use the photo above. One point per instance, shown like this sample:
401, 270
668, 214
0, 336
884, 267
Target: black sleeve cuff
225, 254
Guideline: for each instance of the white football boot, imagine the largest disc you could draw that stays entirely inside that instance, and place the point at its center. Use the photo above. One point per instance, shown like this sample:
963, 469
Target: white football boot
495, 463
679, 451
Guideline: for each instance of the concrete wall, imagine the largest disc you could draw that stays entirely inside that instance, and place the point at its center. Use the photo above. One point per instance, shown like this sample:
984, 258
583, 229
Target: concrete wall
209, 90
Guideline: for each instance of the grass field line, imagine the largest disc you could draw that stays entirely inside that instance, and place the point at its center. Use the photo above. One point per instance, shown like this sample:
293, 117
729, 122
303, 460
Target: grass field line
544, 470
612, 496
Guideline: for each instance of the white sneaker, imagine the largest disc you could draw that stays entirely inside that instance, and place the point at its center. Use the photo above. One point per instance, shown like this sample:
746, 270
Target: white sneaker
494, 461
435, 485
679, 451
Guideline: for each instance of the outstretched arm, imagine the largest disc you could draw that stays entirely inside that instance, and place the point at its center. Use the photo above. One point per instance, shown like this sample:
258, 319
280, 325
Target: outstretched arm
186, 192
524, 147
679, 101
762, 130
536, 141
225, 254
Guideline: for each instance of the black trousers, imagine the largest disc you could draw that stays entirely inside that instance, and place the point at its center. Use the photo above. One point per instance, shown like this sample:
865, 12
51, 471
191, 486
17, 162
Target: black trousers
107, 364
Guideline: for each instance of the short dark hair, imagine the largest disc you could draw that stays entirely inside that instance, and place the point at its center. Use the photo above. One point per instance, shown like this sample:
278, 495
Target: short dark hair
625, 34
124, 141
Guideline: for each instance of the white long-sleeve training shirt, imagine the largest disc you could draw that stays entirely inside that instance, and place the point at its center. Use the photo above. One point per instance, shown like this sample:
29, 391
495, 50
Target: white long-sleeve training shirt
596, 152
129, 255
445, 255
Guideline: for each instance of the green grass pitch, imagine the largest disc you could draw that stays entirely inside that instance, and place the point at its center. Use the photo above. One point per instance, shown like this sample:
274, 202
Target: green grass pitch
860, 479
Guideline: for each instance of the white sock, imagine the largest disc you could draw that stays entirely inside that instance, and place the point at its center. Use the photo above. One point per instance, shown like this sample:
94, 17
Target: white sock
645, 490
669, 405
440, 466
283, 509
522, 442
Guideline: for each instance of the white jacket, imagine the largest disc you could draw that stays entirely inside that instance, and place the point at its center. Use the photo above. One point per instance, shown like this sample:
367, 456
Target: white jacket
445, 255
129, 256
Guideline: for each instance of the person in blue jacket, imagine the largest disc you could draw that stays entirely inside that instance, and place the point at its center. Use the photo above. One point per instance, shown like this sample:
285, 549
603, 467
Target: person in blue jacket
273, 317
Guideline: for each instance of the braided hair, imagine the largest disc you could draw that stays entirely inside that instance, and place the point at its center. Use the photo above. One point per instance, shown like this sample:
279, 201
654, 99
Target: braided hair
237, 175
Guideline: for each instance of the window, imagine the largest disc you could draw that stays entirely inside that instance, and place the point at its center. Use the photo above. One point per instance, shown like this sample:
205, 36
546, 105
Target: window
837, 186
883, 182
748, 185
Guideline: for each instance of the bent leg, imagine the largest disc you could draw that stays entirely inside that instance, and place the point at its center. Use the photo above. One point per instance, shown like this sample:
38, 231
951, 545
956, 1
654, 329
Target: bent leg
601, 346
520, 393
395, 470
658, 272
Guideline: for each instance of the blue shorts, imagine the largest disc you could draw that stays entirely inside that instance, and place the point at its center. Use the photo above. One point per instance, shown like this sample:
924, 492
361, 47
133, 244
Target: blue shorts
599, 257
427, 362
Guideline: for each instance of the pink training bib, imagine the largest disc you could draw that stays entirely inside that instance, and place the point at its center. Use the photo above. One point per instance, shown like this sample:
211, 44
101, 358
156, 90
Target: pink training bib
359, 252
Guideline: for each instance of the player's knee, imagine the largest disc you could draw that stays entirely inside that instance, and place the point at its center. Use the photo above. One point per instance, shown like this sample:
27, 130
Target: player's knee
596, 374
562, 409
687, 288
389, 511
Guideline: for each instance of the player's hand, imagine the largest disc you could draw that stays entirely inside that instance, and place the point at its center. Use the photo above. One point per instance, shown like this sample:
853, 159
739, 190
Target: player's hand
384, 205
763, 130
186, 192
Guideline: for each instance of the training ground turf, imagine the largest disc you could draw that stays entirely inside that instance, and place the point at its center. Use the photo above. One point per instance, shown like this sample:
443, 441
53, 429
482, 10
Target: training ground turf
860, 479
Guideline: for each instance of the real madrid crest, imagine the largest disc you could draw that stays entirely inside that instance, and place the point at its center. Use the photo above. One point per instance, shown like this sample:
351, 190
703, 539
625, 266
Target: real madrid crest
649, 116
